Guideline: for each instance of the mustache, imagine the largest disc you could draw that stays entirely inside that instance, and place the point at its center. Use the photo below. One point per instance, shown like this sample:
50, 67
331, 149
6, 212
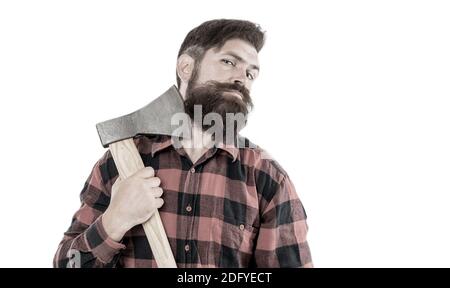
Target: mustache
219, 87
210, 98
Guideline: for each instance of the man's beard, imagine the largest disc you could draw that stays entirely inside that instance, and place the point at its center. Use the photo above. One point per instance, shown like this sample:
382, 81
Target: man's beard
213, 98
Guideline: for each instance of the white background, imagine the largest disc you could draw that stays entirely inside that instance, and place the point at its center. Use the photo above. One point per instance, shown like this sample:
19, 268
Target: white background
352, 100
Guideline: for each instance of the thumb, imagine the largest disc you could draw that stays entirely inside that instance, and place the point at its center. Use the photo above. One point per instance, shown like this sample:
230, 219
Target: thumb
115, 185
118, 181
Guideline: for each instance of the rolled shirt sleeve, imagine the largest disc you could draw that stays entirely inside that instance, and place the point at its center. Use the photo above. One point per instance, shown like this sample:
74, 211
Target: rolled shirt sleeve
282, 236
85, 243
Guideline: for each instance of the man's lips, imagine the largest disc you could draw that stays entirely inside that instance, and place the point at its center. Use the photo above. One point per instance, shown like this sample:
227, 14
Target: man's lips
234, 93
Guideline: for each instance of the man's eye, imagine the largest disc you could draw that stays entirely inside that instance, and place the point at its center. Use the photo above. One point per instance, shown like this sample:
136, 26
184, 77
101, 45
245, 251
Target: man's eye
228, 62
250, 76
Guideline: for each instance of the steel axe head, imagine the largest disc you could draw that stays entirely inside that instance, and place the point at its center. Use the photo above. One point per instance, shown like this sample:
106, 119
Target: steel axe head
155, 118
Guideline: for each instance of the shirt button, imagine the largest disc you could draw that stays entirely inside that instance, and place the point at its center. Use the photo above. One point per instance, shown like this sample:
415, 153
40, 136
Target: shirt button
192, 170
242, 227
186, 248
188, 208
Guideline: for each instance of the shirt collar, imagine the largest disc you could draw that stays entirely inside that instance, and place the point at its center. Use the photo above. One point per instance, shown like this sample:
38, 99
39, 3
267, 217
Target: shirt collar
162, 142
231, 150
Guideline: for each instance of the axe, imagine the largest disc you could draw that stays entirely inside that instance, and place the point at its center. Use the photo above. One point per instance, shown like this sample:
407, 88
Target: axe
118, 133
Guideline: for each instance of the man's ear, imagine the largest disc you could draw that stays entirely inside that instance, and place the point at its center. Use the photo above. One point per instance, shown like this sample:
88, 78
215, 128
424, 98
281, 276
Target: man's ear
185, 66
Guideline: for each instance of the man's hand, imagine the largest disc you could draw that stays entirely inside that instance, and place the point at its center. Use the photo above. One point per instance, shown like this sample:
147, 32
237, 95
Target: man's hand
133, 202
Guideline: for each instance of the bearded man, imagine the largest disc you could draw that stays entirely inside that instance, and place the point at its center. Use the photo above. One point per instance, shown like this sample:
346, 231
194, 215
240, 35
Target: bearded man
222, 200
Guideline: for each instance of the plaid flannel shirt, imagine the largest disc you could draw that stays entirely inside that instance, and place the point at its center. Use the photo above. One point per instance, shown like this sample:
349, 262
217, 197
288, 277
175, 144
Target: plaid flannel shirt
234, 207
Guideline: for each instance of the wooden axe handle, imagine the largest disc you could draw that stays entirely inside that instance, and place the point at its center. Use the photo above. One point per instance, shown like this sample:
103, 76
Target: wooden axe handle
128, 161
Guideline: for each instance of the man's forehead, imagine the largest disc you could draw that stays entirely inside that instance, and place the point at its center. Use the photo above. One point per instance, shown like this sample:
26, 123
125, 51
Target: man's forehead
240, 48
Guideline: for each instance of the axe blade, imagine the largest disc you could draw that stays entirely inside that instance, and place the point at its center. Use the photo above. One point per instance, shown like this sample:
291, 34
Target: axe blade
155, 118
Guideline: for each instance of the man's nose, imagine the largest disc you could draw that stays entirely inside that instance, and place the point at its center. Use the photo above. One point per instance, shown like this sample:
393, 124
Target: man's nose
240, 77
242, 83
238, 82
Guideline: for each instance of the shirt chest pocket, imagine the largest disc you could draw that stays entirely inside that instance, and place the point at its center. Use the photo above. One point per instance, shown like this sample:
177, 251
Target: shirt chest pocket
231, 242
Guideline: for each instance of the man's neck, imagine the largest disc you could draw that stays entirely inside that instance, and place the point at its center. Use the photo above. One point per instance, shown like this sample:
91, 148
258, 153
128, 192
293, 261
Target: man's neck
198, 144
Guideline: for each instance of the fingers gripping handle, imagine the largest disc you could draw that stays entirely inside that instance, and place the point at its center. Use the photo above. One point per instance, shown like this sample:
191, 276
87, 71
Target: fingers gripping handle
128, 161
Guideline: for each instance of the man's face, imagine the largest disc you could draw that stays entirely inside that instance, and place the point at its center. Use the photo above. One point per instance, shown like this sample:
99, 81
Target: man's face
223, 79
236, 62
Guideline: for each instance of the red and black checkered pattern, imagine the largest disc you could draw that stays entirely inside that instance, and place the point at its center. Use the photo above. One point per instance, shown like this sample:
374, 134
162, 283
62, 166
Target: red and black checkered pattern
234, 207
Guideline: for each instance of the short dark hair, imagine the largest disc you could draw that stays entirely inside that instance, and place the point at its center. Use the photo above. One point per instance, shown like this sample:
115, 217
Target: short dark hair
214, 34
